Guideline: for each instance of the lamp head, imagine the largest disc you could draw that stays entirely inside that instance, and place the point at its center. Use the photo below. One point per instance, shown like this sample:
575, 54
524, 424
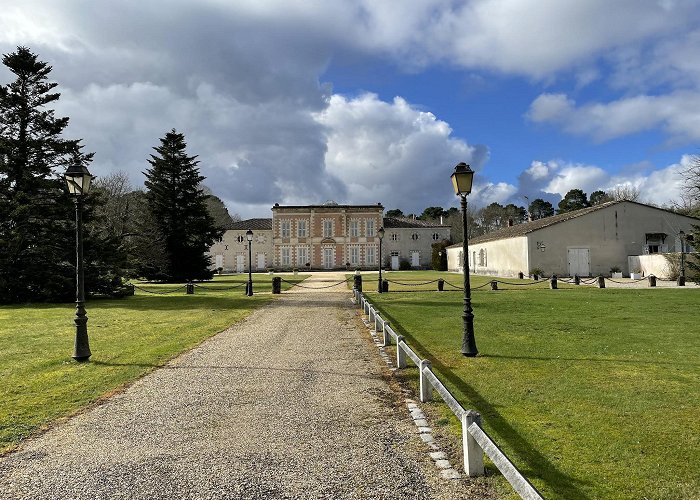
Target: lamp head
462, 179
249, 235
380, 232
78, 180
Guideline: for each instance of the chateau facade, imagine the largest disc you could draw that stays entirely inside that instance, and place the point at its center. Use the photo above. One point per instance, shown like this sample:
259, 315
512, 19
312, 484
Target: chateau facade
328, 236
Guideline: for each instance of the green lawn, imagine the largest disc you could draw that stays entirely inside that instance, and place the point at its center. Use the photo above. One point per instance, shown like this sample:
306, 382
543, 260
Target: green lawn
592, 393
128, 338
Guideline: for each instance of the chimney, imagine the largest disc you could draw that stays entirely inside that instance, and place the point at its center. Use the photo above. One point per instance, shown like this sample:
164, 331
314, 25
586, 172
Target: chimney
510, 222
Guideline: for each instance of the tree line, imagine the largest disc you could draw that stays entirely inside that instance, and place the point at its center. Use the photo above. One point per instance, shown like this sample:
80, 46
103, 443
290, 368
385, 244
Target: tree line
161, 233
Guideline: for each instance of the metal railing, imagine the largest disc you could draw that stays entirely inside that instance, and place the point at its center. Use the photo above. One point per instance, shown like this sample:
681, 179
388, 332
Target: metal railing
475, 441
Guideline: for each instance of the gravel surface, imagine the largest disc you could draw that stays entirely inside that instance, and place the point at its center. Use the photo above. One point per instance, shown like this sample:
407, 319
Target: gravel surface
290, 403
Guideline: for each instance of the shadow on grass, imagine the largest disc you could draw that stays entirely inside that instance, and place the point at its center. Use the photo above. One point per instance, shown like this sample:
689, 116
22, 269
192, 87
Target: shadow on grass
180, 302
689, 364
535, 463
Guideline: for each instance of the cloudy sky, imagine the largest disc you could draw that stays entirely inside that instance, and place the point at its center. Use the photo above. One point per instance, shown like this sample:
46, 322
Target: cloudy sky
365, 101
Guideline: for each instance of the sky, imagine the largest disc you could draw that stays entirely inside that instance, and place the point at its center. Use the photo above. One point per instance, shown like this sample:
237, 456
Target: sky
375, 101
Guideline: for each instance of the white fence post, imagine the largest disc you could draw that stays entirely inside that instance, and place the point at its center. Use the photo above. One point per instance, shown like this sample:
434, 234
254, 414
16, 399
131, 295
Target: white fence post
400, 353
473, 454
426, 390
387, 337
377, 322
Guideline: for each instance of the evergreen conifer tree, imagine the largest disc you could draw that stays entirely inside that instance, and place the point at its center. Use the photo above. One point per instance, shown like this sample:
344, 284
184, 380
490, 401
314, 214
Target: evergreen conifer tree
178, 207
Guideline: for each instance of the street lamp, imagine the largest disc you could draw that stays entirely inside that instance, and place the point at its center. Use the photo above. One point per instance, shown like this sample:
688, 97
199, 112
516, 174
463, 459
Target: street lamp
78, 179
249, 237
380, 232
462, 179
681, 276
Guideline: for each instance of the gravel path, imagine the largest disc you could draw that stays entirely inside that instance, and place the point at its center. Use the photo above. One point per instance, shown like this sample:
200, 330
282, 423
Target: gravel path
290, 403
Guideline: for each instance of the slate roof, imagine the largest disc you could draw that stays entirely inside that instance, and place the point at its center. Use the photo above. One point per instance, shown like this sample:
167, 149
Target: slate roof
252, 224
404, 222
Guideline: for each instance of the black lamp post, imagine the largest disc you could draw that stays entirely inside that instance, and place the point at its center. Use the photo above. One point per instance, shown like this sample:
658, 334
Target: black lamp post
249, 237
78, 179
462, 179
380, 232
681, 276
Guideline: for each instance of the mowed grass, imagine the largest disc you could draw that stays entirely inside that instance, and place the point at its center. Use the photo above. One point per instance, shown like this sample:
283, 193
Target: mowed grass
128, 338
592, 393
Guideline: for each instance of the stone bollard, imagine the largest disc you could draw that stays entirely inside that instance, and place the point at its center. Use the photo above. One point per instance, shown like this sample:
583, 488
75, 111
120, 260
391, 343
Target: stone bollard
426, 389
577, 279
441, 284
276, 285
521, 275
652, 280
473, 454
553, 282
680, 281
601, 282
190, 288
494, 285
535, 277
357, 282
385, 286
400, 353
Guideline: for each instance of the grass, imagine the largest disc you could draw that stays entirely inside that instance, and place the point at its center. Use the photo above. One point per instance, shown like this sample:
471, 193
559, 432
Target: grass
128, 338
592, 393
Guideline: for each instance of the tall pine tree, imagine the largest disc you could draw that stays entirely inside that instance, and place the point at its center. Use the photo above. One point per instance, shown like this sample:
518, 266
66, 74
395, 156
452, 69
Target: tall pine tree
37, 239
178, 206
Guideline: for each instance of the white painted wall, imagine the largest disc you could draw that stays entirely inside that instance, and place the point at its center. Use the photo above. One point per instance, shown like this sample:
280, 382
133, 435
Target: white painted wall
501, 257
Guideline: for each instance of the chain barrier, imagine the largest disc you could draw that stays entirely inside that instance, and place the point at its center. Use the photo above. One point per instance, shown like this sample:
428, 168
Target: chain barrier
313, 287
522, 284
412, 284
159, 293
629, 282
220, 289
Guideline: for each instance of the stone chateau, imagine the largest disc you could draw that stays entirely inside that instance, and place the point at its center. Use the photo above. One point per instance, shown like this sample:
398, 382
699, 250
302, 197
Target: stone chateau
328, 236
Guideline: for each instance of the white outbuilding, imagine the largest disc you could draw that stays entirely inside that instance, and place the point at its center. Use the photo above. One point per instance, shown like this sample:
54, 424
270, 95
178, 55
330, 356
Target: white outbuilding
586, 242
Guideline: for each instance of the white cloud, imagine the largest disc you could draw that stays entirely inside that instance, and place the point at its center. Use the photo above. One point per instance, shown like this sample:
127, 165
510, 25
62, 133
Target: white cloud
393, 153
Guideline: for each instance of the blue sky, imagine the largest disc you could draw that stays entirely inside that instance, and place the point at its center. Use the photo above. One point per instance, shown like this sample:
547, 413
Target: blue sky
365, 101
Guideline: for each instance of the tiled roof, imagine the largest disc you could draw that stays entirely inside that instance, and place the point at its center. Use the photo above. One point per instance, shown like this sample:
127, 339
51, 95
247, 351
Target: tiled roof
252, 224
528, 227
399, 222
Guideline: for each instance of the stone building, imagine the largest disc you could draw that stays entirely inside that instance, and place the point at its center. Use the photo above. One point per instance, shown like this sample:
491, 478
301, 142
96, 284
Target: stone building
328, 236
587, 242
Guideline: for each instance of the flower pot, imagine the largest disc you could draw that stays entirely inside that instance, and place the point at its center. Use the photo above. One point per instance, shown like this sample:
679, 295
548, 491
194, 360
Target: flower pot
636, 276
616, 275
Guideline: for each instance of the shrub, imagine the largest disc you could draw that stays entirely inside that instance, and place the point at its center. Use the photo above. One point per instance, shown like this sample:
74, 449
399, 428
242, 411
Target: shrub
404, 265
536, 271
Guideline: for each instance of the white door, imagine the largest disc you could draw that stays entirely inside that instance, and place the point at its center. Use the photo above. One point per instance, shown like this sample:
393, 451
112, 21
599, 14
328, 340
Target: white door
579, 262
415, 259
394, 262
219, 261
240, 264
261, 261
328, 260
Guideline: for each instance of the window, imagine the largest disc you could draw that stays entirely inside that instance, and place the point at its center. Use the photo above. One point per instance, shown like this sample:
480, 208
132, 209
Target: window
302, 256
482, 257
436, 236
301, 229
354, 230
370, 228
240, 238
414, 236
327, 228
285, 228
354, 256
370, 256
394, 237
286, 261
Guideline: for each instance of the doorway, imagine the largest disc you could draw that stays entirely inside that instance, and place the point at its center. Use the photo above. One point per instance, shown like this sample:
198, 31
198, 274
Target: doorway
579, 261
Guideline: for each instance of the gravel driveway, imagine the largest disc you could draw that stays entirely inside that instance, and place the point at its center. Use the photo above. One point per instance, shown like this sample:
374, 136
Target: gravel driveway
290, 403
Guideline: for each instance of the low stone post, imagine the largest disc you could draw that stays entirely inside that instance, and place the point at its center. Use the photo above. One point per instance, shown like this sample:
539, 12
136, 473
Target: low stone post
400, 353
426, 390
385, 286
357, 282
190, 288
521, 275
473, 454
535, 277
387, 337
441, 284
494, 285
577, 279
276, 285
601, 282
553, 282
652, 280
